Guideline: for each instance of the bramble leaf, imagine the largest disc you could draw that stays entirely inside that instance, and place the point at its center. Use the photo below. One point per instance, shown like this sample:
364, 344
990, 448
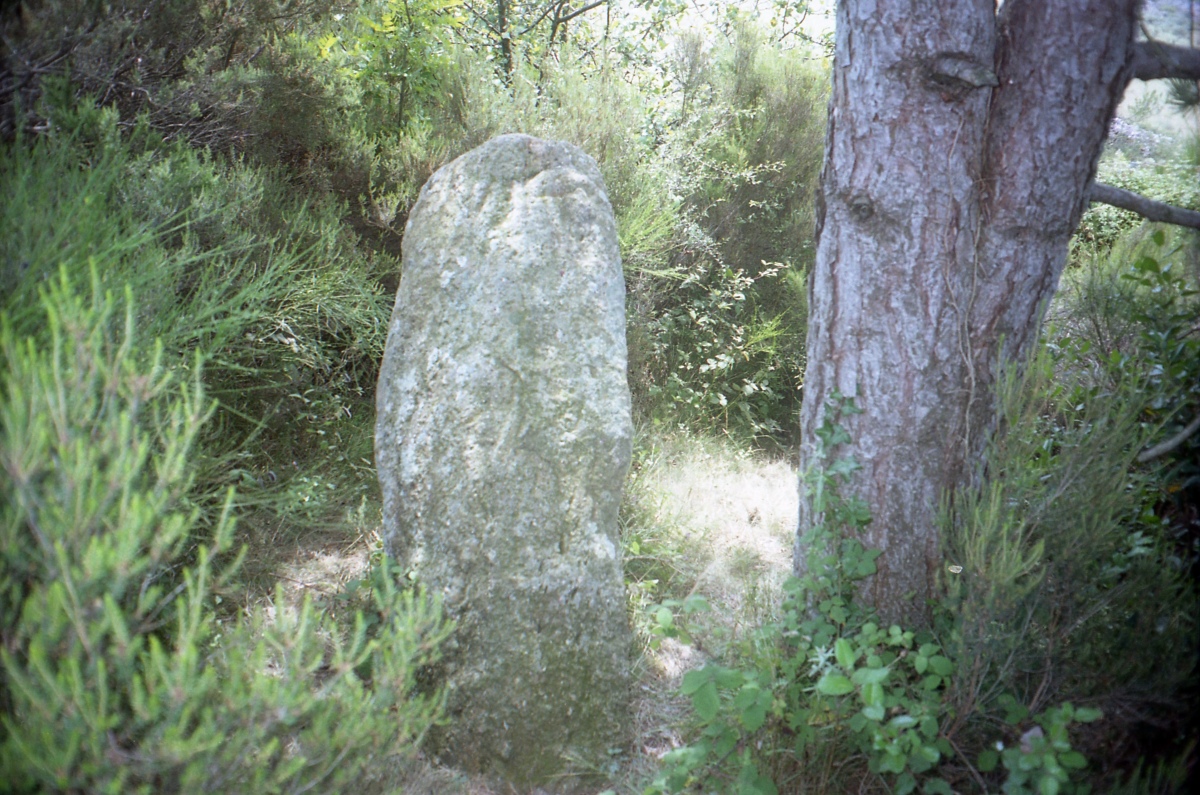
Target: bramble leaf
937, 786
872, 695
832, 684
871, 676
706, 701
694, 680
1073, 760
941, 665
844, 653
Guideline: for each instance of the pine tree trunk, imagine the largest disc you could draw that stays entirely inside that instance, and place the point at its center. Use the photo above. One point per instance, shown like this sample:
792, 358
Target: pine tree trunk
961, 143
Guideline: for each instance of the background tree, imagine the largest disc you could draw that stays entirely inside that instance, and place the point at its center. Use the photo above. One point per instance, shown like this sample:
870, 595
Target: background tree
506, 21
962, 145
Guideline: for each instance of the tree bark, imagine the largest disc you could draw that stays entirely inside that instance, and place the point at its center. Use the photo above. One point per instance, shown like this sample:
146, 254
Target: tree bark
960, 147
505, 34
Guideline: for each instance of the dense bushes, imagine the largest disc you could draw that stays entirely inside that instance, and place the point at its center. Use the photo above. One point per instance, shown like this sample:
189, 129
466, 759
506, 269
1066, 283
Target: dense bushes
712, 180
712, 188
118, 673
211, 74
723, 322
1171, 182
1132, 312
225, 262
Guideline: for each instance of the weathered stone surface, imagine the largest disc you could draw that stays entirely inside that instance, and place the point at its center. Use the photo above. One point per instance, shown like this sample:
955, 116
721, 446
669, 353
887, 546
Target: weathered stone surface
503, 438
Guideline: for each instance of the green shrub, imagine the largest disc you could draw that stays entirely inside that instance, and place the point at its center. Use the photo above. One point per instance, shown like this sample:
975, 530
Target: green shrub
118, 673
225, 261
723, 310
193, 66
1129, 316
717, 361
1061, 582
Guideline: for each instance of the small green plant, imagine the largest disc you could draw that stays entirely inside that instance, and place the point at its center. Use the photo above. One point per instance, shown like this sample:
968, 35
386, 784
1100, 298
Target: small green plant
664, 623
1042, 760
657, 570
896, 685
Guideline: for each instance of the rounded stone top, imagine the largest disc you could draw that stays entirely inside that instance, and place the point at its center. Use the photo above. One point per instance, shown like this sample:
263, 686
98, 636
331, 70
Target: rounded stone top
516, 157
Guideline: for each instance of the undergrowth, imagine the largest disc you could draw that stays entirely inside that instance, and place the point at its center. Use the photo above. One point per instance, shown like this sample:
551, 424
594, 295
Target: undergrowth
264, 289
118, 670
1066, 615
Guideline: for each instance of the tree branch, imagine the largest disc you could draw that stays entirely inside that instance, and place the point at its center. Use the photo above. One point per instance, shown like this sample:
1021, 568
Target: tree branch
1149, 209
1153, 60
482, 18
583, 10
1170, 444
543, 15
559, 20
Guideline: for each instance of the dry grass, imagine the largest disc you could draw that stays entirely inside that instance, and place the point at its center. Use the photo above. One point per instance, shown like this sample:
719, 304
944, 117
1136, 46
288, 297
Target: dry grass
737, 509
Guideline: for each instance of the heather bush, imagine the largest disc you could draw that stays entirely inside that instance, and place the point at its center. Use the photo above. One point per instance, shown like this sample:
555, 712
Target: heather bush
1062, 582
119, 674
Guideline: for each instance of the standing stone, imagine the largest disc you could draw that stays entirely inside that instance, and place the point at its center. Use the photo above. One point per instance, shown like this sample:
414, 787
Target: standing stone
502, 442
